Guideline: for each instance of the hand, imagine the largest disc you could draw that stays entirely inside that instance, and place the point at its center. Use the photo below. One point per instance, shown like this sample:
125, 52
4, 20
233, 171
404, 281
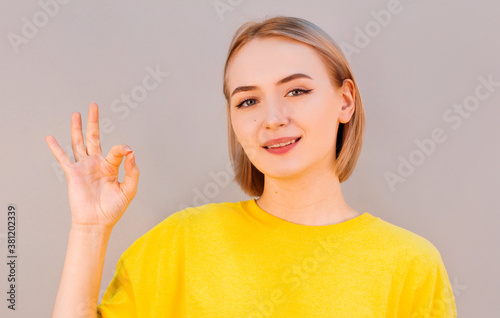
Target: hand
95, 195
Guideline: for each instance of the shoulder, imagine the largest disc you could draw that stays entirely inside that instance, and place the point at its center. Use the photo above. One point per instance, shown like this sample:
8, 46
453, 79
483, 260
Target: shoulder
418, 277
418, 270
210, 211
171, 230
404, 243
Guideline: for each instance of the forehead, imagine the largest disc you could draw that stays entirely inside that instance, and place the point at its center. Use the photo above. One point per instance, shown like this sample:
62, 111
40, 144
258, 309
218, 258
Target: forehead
265, 61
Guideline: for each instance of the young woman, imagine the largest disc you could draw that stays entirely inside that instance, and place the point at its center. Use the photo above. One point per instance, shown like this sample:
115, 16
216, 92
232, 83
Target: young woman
295, 124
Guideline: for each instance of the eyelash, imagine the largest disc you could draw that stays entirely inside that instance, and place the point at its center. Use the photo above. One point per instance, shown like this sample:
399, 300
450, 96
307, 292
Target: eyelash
304, 92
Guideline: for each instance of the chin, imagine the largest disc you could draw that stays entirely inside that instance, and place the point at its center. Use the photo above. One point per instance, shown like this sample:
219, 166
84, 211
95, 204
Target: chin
282, 172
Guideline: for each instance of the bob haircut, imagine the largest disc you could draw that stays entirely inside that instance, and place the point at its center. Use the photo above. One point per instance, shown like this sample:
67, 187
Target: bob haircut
349, 135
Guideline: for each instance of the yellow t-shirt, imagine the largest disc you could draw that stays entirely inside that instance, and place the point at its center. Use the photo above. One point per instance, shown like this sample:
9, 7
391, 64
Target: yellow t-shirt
237, 260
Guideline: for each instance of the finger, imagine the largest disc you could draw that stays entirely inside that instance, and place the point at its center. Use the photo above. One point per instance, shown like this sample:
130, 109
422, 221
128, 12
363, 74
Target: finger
58, 152
77, 136
92, 136
117, 153
129, 184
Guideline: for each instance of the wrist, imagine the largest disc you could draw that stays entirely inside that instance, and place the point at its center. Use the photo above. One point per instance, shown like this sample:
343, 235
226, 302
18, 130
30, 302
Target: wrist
91, 228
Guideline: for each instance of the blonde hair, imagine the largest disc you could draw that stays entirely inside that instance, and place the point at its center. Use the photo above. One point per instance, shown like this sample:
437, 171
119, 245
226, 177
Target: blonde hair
349, 135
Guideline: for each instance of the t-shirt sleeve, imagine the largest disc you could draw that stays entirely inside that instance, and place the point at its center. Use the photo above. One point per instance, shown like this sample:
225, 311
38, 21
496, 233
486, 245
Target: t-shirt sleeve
138, 282
118, 299
433, 295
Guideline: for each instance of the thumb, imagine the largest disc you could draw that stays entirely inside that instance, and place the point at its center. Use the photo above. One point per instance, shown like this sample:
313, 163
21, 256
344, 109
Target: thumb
131, 179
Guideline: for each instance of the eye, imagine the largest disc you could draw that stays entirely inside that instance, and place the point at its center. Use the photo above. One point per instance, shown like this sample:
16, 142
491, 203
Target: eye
246, 100
303, 91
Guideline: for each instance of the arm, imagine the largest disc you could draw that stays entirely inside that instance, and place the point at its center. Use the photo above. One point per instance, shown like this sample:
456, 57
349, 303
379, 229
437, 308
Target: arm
97, 201
434, 298
431, 294
81, 276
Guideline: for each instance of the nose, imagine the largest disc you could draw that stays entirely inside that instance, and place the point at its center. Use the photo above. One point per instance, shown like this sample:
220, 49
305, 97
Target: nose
275, 115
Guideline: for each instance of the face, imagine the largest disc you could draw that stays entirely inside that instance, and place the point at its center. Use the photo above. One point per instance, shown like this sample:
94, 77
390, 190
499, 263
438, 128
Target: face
306, 109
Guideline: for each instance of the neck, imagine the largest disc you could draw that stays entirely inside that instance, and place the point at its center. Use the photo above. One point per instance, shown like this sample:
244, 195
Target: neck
312, 199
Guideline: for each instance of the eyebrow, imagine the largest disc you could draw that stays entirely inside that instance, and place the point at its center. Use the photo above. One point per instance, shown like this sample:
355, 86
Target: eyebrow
280, 82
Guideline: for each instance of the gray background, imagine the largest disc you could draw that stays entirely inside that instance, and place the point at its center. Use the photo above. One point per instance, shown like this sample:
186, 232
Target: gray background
411, 72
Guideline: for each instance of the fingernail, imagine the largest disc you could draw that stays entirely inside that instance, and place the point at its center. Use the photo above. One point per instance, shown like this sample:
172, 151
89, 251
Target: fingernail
127, 148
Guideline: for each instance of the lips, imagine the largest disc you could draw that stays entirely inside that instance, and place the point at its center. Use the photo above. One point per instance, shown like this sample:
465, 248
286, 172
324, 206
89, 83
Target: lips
278, 141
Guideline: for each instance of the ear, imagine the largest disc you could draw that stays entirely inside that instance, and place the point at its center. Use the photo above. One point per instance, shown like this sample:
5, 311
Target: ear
347, 93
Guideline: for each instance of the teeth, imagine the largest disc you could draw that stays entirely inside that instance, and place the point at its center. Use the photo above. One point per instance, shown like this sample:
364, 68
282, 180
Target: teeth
281, 144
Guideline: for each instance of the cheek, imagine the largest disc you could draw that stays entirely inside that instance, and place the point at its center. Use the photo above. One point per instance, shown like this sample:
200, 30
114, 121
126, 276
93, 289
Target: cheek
241, 128
246, 131
315, 118
321, 121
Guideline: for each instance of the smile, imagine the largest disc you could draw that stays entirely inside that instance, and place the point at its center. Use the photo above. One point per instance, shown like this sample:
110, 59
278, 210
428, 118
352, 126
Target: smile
282, 148
283, 144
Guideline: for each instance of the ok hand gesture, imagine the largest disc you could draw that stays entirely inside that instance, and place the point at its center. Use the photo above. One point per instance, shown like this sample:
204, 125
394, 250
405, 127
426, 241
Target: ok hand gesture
96, 197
